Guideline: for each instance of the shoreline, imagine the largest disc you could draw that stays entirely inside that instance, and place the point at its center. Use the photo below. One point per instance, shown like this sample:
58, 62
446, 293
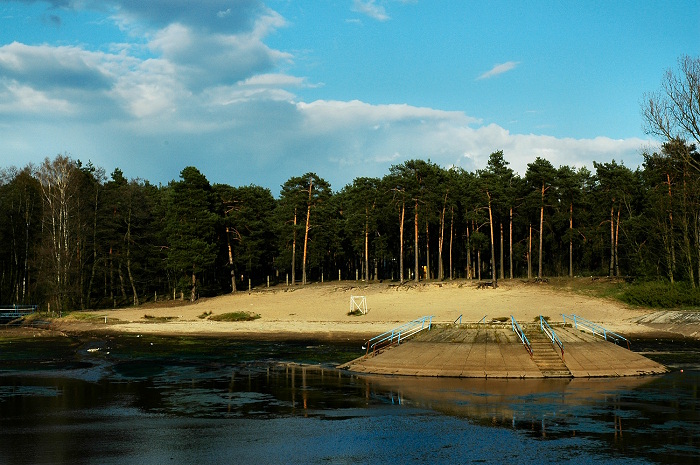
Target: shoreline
263, 336
320, 311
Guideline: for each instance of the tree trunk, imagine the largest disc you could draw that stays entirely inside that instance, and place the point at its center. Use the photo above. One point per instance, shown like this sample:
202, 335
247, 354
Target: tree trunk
230, 260
56, 181
415, 243
612, 241
617, 237
670, 218
502, 271
494, 278
428, 275
111, 277
121, 280
193, 293
539, 264
441, 241
367, 244
294, 249
687, 249
510, 243
697, 242
94, 249
571, 240
25, 273
306, 241
452, 221
403, 215
128, 256
666, 239
529, 254
470, 271
478, 264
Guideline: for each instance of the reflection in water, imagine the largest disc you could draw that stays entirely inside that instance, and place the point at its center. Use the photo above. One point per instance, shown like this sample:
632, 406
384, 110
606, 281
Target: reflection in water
223, 402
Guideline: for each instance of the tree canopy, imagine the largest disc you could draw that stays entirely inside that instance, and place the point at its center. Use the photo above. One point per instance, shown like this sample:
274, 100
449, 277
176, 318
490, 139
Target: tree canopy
70, 237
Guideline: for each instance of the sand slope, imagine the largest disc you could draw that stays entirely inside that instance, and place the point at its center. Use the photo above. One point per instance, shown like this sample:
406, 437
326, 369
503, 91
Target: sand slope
321, 310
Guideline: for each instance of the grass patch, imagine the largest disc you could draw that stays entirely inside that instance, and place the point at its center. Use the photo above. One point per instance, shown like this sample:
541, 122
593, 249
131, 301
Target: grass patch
204, 315
355, 313
601, 287
661, 294
86, 316
158, 319
235, 316
651, 294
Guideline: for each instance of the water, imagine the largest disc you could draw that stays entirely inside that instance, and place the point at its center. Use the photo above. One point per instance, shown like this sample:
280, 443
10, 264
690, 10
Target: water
155, 400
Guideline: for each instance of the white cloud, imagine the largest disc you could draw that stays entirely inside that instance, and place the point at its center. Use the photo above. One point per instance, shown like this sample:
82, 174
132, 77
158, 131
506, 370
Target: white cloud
274, 80
215, 97
223, 14
323, 116
46, 67
499, 69
18, 100
371, 9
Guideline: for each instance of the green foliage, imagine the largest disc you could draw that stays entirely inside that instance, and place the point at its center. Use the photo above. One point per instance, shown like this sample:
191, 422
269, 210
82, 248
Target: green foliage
158, 319
192, 226
248, 224
127, 242
235, 316
662, 294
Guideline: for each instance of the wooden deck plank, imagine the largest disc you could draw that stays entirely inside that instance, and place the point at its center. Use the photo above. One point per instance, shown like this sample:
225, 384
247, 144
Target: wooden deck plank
493, 352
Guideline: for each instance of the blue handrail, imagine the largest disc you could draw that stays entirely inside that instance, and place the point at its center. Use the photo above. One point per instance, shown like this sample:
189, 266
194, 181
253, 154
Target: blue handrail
17, 311
596, 329
546, 329
519, 331
398, 334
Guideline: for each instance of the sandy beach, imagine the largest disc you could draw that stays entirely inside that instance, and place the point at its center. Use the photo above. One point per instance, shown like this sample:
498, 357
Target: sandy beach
320, 311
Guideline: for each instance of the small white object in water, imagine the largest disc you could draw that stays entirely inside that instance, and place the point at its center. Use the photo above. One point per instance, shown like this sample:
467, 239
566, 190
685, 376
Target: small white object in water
93, 350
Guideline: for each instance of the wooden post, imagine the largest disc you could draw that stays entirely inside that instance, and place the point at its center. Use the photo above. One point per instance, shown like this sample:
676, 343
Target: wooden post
339, 274
248, 284
287, 279
268, 281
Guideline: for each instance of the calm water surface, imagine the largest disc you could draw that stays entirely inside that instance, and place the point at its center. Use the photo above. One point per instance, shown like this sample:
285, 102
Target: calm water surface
155, 400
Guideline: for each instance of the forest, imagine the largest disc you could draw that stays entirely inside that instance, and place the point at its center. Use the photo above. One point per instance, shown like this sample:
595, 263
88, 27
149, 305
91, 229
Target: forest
72, 237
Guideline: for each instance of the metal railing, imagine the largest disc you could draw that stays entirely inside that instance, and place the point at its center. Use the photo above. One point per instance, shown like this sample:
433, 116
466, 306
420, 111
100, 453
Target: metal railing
17, 311
549, 332
519, 331
398, 334
596, 329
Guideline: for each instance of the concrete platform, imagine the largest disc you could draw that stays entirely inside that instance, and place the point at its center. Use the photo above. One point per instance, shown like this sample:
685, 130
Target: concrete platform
494, 351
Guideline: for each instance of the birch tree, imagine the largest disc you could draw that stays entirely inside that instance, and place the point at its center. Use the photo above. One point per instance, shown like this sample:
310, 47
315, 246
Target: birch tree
673, 112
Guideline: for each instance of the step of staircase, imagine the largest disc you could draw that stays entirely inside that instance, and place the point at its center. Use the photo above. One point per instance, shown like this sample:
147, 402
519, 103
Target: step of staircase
546, 356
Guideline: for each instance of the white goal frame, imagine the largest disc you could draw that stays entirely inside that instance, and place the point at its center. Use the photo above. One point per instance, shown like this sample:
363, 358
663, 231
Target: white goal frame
358, 302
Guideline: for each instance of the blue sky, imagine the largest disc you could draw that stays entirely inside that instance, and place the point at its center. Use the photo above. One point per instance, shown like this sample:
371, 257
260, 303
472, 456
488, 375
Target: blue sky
254, 92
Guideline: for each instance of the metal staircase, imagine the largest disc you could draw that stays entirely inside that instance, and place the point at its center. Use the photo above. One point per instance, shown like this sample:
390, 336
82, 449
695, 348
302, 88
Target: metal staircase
546, 356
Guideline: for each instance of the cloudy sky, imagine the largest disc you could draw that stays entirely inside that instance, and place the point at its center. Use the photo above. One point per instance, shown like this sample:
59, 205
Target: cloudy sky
254, 92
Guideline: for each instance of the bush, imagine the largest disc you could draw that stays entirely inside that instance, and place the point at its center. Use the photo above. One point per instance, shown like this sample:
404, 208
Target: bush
235, 316
661, 294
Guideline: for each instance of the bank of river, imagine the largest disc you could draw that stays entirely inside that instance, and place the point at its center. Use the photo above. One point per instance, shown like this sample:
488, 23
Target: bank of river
149, 399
